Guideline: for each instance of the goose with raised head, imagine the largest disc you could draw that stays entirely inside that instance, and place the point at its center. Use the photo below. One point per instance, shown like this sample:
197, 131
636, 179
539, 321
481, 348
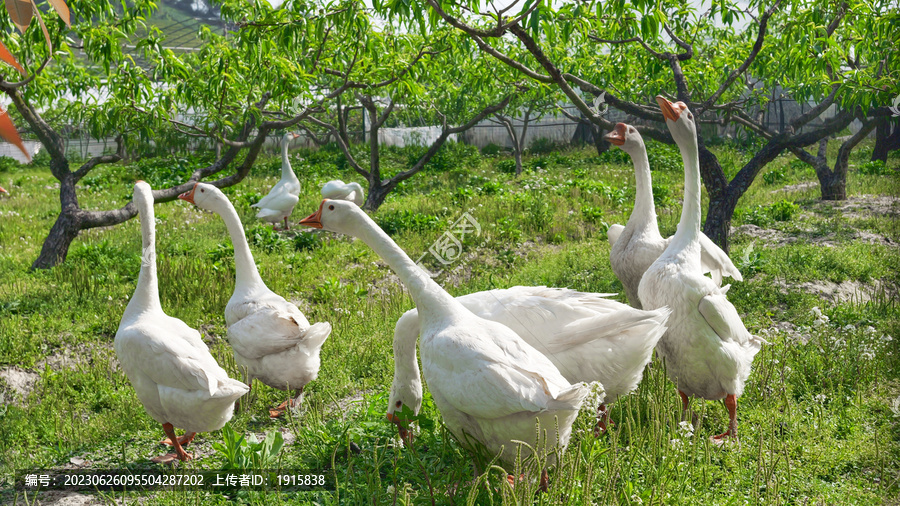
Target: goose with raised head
338, 190
587, 337
707, 350
167, 362
489, 385
280, 202
636, 246
272, 339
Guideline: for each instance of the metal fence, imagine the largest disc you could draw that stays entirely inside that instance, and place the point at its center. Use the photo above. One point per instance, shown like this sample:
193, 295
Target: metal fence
554, 127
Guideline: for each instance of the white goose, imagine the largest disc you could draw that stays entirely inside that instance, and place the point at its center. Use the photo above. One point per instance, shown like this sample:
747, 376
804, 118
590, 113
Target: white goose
488, 383
271, 338
639, 243
707, 349
586, 336
339, 190
280, 202
171, 369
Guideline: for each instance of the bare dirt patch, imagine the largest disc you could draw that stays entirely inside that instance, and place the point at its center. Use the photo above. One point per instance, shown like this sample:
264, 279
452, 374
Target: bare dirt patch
799, 187
847, 291
863, 206
18, 380
766, 235
63, 498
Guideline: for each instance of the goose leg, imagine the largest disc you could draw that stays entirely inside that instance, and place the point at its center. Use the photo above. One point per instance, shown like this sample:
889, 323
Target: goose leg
179, 454
286, 227
286, 405
603, 420
731, 405
183, 440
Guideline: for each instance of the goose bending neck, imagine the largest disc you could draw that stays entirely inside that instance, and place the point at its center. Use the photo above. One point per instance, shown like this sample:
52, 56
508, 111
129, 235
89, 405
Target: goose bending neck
429, 297
245, 272
689, 227
644, 208
146, 293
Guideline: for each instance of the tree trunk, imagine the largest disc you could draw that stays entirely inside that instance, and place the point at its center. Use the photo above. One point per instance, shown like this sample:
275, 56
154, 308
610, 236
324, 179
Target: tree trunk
718, 217
833, 186
378, 192
600, 143
887, 138
56, 245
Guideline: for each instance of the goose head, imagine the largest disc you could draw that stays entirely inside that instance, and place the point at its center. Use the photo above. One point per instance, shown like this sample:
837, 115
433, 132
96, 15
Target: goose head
627, 138
289, 136
205, 196
143, 195
679, 119
341, 216
404, 395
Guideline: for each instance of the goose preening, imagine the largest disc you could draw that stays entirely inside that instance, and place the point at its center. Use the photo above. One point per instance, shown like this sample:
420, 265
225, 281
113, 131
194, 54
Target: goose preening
707, 349
167, 362
489, 385
271, 338
638, 244
338, 190
280, 202
587, 337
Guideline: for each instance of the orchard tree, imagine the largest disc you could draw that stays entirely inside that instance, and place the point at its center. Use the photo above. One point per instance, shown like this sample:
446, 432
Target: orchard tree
236, 92
628, 52
445, 80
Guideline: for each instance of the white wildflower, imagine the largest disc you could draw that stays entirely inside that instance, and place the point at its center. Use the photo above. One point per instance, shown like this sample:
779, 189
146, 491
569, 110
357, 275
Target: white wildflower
636, 499
821, 398
685, 428
895, 407
886, 338
870, 330
390, 490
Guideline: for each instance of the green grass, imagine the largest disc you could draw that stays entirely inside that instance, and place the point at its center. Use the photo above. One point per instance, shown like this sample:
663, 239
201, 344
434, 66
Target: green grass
816, 419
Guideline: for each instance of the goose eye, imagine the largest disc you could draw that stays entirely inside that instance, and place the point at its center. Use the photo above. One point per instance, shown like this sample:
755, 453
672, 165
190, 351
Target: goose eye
399, 403
690, 116
202, 190
331, 208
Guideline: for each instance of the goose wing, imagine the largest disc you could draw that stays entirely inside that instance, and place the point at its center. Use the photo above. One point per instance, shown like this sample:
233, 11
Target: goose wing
268, 331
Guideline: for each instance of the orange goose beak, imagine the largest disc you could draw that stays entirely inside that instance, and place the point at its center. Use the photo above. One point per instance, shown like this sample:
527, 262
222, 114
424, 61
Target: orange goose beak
3, 190
189, 196
668, 108
617, 136
314, 220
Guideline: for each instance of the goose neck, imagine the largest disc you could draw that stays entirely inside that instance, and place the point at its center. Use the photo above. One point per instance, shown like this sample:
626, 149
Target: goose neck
644, 208
146, 293
246, 274
689, 226
430, 299
287, 172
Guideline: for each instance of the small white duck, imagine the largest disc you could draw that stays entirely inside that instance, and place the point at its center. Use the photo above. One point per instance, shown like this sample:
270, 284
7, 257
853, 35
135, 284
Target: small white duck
587, 337
170, 367
338, 190
280, 202
638, 244
489, 384
707, 349
271, 337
